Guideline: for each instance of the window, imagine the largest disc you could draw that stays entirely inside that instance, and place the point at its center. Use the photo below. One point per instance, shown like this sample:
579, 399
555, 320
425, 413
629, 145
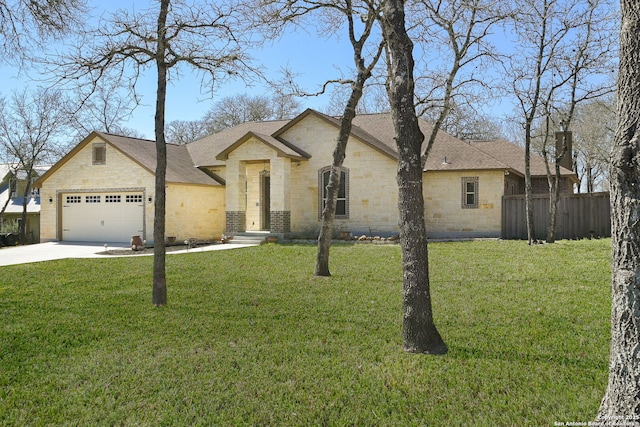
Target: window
133, 198
99, 154
342, 203
92, 199
470, 192
74, 199
112, 198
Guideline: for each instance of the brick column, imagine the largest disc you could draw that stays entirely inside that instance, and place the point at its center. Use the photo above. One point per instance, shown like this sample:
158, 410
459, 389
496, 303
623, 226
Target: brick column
236, 221
280, 221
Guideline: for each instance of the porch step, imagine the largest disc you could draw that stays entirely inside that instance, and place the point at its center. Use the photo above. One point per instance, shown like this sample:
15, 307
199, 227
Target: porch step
254, 237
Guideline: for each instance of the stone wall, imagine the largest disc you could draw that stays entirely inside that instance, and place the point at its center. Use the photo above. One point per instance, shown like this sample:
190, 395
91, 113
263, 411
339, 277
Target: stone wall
192, 211
373, 192
444, 215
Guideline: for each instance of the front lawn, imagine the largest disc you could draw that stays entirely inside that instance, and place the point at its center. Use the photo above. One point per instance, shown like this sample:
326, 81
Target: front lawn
250, 337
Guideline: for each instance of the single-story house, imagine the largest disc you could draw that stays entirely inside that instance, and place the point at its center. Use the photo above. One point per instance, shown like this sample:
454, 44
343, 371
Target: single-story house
13, 182
271, 176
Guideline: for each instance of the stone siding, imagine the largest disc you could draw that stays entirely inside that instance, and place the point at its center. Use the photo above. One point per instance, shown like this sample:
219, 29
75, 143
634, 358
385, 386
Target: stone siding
373, 192
192, 211
195, 211
444, 215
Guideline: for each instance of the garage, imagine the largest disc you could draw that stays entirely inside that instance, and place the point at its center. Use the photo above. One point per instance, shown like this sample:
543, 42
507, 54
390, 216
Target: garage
102, 217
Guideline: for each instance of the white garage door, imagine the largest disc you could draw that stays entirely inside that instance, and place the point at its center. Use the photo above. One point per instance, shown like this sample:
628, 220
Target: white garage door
102, 217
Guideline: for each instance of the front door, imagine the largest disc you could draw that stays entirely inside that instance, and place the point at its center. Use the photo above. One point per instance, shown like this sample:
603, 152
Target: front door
265, 190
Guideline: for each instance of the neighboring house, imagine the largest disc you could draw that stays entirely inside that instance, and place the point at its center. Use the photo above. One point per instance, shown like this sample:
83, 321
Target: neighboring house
271, 176
12, 186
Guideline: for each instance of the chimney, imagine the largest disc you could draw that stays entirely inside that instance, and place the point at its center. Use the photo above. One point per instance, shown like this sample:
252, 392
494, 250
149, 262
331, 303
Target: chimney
567, 159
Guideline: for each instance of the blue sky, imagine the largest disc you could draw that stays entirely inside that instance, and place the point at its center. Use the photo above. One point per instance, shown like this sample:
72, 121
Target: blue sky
314, 58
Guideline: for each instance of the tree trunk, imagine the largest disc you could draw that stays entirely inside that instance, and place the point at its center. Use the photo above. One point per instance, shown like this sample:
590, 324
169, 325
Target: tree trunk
328, 215
22, 232
554, 199
329, 211
554, 184
159, 255
621, 401
589, 179
419, 332
23, 224
4, 208
333, 186
528, 189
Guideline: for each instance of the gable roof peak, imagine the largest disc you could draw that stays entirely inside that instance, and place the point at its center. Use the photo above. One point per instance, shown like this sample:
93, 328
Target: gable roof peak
180, 167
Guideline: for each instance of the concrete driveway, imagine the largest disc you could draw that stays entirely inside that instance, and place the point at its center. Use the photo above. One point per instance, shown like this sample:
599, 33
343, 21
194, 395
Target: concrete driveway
60, 250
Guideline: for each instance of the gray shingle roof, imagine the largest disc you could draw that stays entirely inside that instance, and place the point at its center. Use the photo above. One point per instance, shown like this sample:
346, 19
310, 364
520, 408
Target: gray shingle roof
378, 131
180, 168
283, 147
204, 151
513, 156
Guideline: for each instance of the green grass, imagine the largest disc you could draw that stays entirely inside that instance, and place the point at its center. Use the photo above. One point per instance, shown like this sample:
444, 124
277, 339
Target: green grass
250, 337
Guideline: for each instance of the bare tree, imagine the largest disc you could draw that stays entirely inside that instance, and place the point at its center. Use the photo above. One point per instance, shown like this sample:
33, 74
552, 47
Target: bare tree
561, 45
368, 12
589, 60
6, 158
105, 108
185, 131
374, 97
231, 111
621, 402
465, 123
234, 110
462, 28
284, 106
454, 38
361, 19
201, 35
593, 128
419, 332
25, 24
29, 127
531, 72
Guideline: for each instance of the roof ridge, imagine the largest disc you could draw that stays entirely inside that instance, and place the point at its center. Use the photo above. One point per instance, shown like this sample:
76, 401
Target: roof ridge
107, 135
124, 136
470, 143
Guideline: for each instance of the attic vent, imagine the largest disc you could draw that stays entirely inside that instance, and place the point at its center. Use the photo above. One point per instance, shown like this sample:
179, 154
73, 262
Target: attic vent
99, 153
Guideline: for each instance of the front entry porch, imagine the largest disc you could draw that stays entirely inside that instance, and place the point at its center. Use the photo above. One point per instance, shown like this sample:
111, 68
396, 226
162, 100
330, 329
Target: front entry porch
261, 195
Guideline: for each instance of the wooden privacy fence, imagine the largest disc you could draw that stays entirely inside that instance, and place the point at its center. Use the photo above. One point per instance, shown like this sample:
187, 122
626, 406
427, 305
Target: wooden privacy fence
579, 216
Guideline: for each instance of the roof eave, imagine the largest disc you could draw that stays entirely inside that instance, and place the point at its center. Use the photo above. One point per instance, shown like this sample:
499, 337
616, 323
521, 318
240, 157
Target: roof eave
65, 159
224, 155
